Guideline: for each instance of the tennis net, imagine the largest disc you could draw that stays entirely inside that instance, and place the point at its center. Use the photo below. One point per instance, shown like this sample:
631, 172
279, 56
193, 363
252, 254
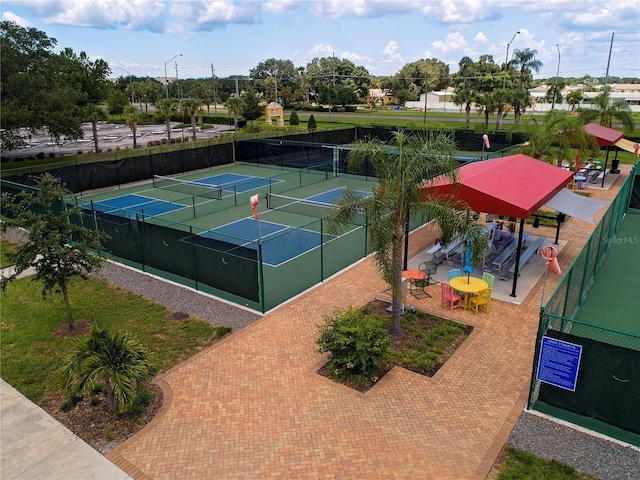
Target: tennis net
305, 207
189, 187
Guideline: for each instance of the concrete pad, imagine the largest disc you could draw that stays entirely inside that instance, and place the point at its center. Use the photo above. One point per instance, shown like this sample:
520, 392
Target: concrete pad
34, 445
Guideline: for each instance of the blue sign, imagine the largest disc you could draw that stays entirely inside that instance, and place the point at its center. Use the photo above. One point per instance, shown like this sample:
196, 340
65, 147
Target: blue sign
558, 363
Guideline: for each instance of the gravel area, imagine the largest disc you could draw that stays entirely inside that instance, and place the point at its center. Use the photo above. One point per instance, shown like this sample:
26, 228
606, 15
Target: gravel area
590, 454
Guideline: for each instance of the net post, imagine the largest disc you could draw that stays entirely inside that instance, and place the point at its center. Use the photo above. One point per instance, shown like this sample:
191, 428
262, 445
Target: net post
140, 242
321, 250
193, 202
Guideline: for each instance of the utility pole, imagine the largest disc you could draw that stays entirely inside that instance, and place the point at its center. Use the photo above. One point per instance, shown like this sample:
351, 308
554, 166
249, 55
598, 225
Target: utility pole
555, 87
178, 83
215, 101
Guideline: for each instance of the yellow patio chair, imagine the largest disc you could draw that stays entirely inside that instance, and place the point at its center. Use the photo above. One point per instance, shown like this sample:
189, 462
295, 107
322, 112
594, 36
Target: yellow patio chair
481, 300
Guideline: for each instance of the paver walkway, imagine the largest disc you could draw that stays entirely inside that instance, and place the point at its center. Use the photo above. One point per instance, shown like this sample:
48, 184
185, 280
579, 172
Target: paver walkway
253, 406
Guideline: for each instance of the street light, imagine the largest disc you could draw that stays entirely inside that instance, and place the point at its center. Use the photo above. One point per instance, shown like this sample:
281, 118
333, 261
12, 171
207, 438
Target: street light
506, 59
132, 100
166, 83
555, 87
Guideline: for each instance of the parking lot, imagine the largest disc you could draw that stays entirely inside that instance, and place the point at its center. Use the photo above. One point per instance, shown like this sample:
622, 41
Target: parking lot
110, 137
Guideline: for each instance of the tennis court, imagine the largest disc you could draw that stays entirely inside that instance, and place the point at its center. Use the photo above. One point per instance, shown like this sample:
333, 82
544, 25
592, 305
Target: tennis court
199, 230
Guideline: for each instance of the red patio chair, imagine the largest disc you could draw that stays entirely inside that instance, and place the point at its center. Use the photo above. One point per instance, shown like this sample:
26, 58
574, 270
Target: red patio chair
449, 296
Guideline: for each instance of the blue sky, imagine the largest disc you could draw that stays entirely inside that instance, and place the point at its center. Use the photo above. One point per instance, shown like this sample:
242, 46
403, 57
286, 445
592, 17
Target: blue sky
140, 36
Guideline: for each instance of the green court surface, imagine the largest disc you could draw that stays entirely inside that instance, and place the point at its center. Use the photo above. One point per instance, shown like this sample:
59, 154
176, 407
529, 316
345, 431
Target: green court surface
614, 298
207, 238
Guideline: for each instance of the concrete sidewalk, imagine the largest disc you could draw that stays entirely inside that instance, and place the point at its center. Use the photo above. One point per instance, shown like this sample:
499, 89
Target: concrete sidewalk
35, 445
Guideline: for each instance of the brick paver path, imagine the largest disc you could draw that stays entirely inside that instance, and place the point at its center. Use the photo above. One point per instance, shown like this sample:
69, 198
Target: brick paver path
254, 407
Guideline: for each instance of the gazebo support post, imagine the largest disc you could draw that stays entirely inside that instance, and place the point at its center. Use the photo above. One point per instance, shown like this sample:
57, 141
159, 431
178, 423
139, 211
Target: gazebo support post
518, 250
604, 172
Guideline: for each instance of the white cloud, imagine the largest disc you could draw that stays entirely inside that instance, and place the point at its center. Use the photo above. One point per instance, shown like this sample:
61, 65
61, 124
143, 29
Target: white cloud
320, 50
391, 51
279, 7
481, 38
12, 17
218, 13
454, 42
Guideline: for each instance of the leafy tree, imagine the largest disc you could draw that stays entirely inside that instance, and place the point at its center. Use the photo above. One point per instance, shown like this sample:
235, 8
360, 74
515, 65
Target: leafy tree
500, 99
608, 112
252, 110
294, 120
78, 72
167, 107
117, 101
485, 104
337, 71
526, 60
191, 107
49, 232
400, 195
574, 98
340, 95
113, 358
464, 97
132, 116
311, 124
94, 113
235, 105
422, 75
203, 92
282, 72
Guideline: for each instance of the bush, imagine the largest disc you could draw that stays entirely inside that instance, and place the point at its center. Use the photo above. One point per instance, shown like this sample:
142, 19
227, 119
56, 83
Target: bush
357, 342
294, 119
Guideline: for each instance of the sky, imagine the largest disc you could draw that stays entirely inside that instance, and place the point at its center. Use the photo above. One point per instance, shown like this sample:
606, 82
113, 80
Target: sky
226, 37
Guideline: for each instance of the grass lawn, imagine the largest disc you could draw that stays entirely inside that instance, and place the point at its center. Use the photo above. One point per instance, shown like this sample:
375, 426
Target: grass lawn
6, 247
32, 355
515, 464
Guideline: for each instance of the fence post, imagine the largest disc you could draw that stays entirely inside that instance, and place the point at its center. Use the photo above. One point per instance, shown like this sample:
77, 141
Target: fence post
321, 250
193, 256
140, 241
261, 276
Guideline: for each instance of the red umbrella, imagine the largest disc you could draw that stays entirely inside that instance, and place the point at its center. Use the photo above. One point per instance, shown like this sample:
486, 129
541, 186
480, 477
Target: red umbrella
577, 162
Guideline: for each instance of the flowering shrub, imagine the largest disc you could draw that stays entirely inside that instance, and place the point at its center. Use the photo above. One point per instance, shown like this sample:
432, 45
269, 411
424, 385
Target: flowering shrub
357, 342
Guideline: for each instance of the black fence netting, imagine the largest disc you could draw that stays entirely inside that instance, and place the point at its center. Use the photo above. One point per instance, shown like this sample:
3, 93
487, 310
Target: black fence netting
607, 385
80, 177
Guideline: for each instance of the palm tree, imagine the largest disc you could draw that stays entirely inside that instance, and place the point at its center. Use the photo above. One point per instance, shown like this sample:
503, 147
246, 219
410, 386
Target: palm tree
94, 113
115, 359
500, 99
526, 60
554, 92
235, 105
464, 97
167, 107
485, 104
149, 90
132, 116
607, 113
399, 195
135, 90
191, 107
574, 98
520, 100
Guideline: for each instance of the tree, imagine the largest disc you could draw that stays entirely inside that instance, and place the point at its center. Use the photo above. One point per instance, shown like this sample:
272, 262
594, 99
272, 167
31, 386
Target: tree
49, 232
203, 92
294, 120
282, 72
113, 358
608, 112
400, 195
464, 97
94, 113
311, 124
526, 61
554, 91
574, 98
166, 107
485, 104
150, 90
252, 109
191, 107
422, 75
117, 101
235, 105
132, 116
500, 99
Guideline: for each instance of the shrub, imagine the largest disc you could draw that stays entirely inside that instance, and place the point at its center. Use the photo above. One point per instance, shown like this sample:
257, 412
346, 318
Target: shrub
52, 155
357, 342
312, 126
294, 119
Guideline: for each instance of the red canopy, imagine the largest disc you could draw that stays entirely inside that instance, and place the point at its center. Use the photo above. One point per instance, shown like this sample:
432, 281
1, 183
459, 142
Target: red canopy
513, 186
605, 136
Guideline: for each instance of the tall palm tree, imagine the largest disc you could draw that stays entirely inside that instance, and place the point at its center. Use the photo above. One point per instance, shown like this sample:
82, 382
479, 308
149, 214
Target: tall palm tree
167, 107
485, 104
520, 100
132, 116
191, 107
115, 359
402, 172
94, 113
464, 96
500, 100
574, 98
608, 112
526, 60
149, 90
135, 90
235, 105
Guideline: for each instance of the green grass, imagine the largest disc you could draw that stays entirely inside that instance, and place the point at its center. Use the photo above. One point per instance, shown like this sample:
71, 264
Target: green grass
519, 465
6, 247
32, 355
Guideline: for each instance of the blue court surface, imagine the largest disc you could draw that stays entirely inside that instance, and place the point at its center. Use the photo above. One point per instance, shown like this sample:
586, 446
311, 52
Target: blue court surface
128, 205
232, 182
280, 243
330, 197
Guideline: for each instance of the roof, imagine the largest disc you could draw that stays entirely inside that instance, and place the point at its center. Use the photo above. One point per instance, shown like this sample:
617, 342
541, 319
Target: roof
629, 146
605, 136
513, 186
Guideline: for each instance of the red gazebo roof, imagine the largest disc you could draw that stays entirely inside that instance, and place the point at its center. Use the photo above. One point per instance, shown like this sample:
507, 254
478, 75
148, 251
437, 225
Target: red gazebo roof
513, 186
605, 136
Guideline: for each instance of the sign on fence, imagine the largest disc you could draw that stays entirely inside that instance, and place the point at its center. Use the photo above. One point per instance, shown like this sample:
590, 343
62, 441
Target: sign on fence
558, 363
